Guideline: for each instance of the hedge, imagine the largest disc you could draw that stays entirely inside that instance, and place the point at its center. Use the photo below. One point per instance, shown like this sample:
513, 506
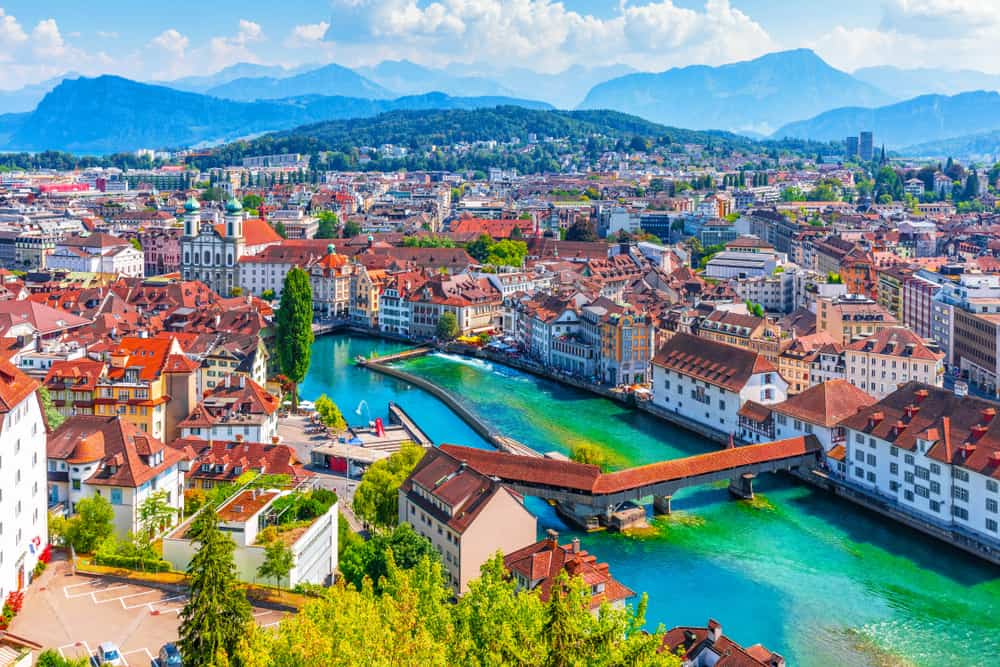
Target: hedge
132, 562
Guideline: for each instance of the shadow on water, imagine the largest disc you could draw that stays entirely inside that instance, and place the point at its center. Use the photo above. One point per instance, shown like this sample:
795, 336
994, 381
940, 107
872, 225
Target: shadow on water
864, 526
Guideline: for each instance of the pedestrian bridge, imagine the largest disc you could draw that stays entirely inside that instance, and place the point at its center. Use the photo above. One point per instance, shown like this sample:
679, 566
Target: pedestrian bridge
585, 491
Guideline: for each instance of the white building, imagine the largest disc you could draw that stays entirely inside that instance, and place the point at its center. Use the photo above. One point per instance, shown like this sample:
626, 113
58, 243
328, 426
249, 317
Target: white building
244, 517
97, 253
92, 455
708, 382
931, 454
23, 517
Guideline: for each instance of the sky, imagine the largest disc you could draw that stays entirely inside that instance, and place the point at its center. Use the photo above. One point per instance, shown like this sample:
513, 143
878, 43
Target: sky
164, 41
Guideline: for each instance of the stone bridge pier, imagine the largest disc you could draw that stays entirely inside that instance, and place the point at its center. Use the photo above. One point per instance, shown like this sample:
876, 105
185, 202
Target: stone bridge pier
742, 486
661, 505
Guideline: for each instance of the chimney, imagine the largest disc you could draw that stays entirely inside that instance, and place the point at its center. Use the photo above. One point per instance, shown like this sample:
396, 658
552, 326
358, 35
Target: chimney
275, 439
575, 545
920, 395
988, 414
875, 419
553, 536
239, 437
911, 410
978, 431
898, 428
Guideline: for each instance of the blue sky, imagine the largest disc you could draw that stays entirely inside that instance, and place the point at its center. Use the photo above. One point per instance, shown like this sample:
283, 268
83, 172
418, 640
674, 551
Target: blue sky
179, 38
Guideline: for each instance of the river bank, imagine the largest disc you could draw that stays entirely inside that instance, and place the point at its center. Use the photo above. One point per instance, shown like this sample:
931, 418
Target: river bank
805, 573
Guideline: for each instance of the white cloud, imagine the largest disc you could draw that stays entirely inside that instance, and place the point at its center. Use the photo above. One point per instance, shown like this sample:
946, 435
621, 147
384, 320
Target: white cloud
309, 34
46, 40
544, 33
107, 34
248, 32
11, 36
171, 41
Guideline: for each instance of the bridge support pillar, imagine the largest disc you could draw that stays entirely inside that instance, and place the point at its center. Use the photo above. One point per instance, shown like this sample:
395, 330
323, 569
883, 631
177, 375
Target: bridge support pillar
661, 505
742, 486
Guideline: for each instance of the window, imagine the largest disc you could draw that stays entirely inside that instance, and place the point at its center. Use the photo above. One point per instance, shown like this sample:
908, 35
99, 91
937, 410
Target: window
871, 477
908, 477
858, 438
894, 486
922, 491
991, 505
871, 460
935, 487
76, 485
908, 495
116, 496
935, 468
859, 455
991, 485
909, 459
935, 506
959, 493
858, 472
894, 468
959, 512
991, 525
922, 473
958, 473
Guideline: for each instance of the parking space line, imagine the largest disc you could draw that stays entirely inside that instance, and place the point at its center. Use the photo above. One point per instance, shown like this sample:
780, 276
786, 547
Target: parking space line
78, 644
92, 582
134, 595
138, 650
94, 593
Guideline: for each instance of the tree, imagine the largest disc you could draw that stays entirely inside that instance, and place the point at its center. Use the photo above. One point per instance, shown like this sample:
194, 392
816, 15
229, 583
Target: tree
294, 336
581, 230
447, 326
51, 658
376, 500
371, 559
93, 523
479, 249
235, 291
217, 615
330, 414
53, 417
328, 224
155, 513
136, 243
351, 229
279, 228
267, 295
252, 201
590, 454
507, 253
278, 562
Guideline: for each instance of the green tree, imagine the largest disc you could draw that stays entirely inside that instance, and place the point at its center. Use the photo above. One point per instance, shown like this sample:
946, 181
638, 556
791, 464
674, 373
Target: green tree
371, 558
590, 454
267, 295
93, 523
155, 513
479, 249
581, 230
330, 414
252, 201
279, 228
278, 562
51, 658
217, 615
447, 326
136, 243
294, 336
376, 500
351, 229
507, 253
328, 224
53, 417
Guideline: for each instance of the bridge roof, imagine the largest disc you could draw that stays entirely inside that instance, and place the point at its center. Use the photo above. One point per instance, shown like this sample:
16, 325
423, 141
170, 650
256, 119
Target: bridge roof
590, 479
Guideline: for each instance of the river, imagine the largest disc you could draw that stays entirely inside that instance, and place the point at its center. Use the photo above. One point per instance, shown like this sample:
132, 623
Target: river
807, 575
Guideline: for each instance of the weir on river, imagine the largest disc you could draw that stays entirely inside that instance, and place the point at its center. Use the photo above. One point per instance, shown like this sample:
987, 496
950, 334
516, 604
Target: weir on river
804, 573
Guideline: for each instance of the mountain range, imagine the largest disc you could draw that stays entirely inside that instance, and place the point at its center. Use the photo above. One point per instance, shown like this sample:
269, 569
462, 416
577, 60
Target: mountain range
327, 80
754, 95
919, 120
907, 83
109, 114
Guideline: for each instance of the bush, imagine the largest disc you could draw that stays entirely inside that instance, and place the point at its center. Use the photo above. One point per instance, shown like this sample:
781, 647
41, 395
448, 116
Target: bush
39, 568
132, 562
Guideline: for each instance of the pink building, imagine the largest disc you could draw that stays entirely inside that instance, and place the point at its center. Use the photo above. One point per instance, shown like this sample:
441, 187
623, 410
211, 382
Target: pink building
161, 249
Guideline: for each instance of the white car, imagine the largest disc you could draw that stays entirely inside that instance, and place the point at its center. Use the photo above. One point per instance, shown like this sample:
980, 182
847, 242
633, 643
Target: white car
108, 654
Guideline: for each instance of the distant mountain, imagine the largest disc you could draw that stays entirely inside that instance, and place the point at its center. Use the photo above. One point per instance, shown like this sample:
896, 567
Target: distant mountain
327, 80
408, 78
109, 114
979, 147
564, 89
917, 121
28, 97
201, 83
907, 83
755, 95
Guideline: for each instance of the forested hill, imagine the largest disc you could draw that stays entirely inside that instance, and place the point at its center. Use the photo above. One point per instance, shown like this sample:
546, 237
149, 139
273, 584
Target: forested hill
419, 131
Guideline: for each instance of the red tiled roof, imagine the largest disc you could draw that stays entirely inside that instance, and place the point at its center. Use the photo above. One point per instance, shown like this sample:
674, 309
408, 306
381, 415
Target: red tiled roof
15, 386
718, 364
590, 479
826, 404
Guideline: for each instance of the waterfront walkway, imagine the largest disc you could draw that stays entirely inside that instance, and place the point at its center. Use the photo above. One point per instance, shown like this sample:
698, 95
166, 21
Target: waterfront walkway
591, 492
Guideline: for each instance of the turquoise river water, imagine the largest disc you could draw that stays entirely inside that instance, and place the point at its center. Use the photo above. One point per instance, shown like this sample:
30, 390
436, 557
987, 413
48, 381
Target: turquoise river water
806, 574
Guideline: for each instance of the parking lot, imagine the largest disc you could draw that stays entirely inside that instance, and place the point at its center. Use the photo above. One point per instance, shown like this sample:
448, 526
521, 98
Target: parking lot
74, 614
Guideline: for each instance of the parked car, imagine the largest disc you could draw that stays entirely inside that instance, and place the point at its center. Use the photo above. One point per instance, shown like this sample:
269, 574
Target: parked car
108, 654
168, 656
